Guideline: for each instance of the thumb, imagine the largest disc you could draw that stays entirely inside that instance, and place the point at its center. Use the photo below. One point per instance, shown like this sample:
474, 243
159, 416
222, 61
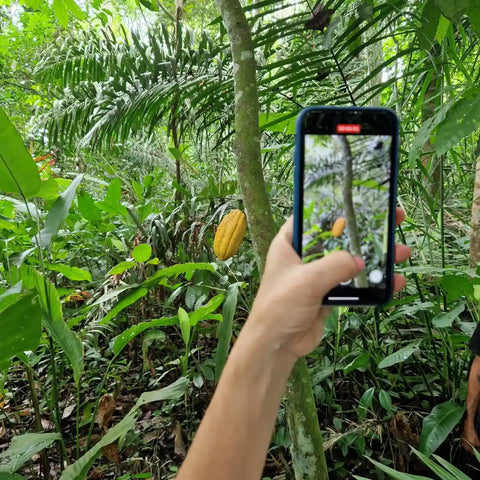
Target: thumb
332, 269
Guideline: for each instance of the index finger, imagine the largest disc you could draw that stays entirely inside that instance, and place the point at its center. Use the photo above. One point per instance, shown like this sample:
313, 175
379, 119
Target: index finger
399, 215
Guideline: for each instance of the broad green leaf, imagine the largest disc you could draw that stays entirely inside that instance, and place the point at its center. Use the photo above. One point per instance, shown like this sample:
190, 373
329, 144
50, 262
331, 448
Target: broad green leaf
48, 189
122, 340
11, 476
121, 267
124, 303
362, 361
385, 400
456, 286
473, 13
202, 312
18, 172
397, 475
112, 202
61, 12
57, 214
453, 10
150, 5
20, 325
365, 403
175, 270
278, 122
428, 28
184, 325
438, 425
87, 207
142, 252
448, 472
22, 449
400, 355
76, 11
461, 120
79, 469
225, 329
446, 319
72, 273
55, 325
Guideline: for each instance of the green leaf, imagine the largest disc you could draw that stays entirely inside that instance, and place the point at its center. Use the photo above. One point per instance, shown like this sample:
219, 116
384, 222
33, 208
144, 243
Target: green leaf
428, 28
361, 362
22, 449
184, 320
57, 214
445, 319
124, 303
113, 198
448, 472
61, 12
54, 324
473, 13
76, 11
18, 171
202, 312
87, 207
365, 403
20, 325
278, 122
48, 189
438, 425
176, 270
72, 273
142, 252
385, 401
461, 120
122, 267
453, 10
122, 340
456, 286
400, 355
397, 475
11, 476
225, 329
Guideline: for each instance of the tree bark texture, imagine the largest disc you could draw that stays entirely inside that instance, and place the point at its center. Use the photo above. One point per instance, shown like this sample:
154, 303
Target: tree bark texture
474, 252
361, 279
307, 448
247, 132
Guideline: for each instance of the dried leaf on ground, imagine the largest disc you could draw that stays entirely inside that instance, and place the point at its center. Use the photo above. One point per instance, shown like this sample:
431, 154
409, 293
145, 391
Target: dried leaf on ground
180, 448
110, 452
96, 474
68, 411
106, 407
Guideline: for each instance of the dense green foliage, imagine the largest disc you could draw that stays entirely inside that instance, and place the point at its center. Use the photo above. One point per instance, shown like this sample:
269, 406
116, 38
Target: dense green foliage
109, 288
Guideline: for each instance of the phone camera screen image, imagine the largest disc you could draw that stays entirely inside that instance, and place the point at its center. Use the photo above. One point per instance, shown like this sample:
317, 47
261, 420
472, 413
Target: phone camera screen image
346, 190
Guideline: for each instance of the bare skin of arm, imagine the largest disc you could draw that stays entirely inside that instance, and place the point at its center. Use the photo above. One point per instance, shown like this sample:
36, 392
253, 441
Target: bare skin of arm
469, 436
286, 322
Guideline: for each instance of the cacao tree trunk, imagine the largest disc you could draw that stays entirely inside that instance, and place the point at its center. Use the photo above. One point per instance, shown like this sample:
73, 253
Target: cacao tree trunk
474, 252
306, 441
361, 279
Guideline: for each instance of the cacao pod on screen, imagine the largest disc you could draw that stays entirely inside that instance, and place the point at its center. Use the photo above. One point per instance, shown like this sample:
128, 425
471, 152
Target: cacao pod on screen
338, 226
229, 235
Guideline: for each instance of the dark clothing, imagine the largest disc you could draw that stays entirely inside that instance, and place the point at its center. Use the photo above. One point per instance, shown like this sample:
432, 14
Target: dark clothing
474, 343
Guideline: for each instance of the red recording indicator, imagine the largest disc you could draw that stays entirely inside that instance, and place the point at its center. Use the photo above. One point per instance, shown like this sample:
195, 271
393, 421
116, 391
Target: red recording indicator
348, 128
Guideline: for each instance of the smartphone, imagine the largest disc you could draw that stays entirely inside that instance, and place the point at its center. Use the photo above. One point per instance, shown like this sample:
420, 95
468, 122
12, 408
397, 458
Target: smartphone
345, 195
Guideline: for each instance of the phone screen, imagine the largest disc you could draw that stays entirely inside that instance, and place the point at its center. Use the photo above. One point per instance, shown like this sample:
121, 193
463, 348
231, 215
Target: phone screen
347, 193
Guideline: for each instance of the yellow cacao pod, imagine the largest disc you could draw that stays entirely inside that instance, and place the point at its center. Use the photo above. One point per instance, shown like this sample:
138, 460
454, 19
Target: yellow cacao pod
229, 235
338, 226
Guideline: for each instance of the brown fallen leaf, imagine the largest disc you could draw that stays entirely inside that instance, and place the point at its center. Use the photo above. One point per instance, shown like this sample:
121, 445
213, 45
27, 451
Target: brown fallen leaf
180, 448
68, 411
106, 407
110, 452
3, 430
2, 400
96, 474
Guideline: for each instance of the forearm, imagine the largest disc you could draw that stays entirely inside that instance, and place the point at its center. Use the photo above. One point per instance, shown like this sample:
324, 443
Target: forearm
473, 395
233, 438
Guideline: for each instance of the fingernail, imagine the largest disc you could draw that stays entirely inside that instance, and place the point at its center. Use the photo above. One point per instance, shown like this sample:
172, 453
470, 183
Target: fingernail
360, 263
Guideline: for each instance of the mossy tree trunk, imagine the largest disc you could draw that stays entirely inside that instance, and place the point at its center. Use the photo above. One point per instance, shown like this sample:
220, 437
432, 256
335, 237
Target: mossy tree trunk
307, 449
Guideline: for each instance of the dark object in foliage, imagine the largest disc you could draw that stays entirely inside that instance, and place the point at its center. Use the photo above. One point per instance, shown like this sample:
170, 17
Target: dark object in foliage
321, 18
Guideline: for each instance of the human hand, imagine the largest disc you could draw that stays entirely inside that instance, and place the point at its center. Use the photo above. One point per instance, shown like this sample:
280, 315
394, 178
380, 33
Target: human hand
469, 436
288, 306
